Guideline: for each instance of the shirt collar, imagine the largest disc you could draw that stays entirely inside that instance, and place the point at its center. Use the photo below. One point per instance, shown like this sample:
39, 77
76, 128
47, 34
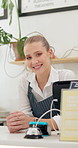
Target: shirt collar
54, 76
31, 78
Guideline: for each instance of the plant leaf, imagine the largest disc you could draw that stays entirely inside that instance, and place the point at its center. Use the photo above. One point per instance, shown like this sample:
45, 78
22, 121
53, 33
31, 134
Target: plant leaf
20, 46
4, 4
11, 6
8, 4
5, 38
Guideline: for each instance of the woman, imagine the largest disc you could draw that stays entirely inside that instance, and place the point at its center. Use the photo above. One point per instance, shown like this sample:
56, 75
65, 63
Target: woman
36, 86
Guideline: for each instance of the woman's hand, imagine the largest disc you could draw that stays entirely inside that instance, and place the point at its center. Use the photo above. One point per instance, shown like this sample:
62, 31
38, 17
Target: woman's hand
17, 121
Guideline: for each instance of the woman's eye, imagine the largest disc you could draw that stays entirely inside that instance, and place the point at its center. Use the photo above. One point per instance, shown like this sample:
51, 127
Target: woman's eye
38, 54
28, 58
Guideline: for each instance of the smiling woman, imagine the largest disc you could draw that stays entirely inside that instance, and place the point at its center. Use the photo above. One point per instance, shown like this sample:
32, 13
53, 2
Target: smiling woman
35, 89
36, 50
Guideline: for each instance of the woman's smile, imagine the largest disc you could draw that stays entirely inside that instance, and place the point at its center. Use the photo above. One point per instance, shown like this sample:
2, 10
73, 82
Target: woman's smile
37, 67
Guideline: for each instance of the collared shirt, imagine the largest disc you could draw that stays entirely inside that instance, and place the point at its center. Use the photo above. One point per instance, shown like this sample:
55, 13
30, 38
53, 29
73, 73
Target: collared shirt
55, 75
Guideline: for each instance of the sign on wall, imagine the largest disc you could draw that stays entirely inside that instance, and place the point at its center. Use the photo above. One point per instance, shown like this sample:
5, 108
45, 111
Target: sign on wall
34, 7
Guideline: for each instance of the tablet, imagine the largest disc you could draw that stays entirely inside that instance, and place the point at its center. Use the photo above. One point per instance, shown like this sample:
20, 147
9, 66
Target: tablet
58, 86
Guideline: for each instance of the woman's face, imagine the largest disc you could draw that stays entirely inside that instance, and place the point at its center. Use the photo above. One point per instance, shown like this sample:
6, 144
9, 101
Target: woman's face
37, 57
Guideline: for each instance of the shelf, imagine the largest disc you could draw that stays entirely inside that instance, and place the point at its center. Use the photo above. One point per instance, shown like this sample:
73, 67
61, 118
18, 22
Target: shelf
64, 60
53, 61
18, 62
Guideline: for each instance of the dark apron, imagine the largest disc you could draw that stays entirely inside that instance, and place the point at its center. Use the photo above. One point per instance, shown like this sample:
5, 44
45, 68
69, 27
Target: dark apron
39, 108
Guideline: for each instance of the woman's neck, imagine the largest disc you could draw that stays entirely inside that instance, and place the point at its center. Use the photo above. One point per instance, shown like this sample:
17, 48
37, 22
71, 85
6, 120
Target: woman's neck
43, 79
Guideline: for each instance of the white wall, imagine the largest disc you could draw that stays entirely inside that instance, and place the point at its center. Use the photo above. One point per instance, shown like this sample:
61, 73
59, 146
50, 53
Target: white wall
61, 30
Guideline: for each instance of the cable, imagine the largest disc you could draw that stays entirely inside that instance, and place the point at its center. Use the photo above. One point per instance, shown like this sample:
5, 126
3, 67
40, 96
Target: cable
5, 67
55, 100
12, 56
50, 115
69, 51
46, 113
34, 32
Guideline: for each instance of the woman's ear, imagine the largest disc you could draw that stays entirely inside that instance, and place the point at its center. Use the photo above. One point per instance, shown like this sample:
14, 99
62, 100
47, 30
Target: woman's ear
52, 55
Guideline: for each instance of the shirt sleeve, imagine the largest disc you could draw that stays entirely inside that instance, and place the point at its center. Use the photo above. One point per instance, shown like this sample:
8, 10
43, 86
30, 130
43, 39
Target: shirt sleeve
66, 75
57, 120
24, 104
70, 75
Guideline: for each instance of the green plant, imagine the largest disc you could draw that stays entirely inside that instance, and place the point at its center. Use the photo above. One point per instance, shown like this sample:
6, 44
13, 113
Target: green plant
6, 38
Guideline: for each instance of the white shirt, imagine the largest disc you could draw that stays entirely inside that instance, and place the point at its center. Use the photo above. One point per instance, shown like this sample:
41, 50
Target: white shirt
55, 75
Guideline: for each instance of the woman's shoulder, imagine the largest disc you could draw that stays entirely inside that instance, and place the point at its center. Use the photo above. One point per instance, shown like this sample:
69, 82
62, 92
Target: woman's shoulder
66, 74
65, 71
25, 78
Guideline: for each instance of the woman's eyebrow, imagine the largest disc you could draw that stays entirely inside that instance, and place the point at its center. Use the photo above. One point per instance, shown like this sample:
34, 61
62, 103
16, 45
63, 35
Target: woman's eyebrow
37, 52
33, 53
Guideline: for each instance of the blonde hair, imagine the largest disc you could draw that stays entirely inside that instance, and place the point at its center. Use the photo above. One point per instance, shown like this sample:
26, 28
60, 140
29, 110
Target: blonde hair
38, 38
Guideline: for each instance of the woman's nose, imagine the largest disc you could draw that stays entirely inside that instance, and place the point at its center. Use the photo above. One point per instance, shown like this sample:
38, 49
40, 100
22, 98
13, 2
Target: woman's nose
34, 61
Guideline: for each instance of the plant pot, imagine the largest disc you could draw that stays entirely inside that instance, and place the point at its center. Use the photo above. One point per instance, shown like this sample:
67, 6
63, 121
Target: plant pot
14, 46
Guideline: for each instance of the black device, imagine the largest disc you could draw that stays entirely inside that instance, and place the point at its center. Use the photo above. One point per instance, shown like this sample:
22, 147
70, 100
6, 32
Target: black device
57, 87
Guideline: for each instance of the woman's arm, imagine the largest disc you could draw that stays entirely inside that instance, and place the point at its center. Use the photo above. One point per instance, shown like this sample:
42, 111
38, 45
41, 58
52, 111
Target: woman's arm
18, 121
24, 104
50, 122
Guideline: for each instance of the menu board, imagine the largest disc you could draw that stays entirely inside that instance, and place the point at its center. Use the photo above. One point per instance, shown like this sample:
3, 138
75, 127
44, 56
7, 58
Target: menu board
45, 6
69, 116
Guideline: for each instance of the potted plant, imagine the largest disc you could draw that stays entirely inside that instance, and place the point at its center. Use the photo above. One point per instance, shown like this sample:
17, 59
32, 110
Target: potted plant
6, 38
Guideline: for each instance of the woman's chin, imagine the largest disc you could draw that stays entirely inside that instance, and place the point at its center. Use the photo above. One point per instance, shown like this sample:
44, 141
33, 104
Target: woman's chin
36, 70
